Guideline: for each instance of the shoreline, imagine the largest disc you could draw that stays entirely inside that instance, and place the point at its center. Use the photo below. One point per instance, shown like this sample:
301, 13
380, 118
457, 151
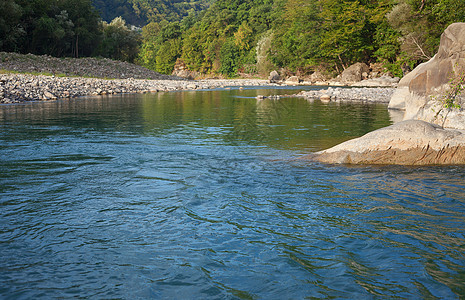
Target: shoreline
28, 77
21, 88
356, 94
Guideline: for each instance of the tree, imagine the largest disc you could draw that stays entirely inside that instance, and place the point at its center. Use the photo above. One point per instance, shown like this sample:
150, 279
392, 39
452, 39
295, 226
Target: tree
229, 57
119, 41
59, 28
167, 55
297, 35
421, 24
345, 37
10, 30
149, 47
86, 26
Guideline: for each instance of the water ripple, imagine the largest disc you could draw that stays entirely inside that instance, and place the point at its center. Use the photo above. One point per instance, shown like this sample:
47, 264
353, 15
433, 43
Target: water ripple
147, 205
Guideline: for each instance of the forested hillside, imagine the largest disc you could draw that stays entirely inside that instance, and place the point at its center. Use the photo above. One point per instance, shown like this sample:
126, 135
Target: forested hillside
233, 36
301, 35
58, 28
75, 28
141, 12
111, 9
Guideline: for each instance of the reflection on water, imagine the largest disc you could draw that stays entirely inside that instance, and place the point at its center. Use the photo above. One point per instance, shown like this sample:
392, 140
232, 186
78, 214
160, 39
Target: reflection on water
196, 195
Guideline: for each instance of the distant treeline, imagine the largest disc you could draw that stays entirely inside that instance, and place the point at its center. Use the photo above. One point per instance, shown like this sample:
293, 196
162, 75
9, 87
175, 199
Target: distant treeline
75, 27
233, 36
142, 12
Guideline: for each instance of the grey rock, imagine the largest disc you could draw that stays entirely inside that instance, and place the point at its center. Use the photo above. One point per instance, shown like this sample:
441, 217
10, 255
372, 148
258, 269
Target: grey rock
410, 142
354, 73
293, 80
274, 77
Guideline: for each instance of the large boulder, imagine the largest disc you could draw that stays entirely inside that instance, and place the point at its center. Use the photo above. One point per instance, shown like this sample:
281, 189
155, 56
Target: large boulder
274, 77
293, 80
355, 73
419, 92
405, 143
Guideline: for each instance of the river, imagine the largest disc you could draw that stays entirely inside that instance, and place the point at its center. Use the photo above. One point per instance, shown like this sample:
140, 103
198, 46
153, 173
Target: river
201, 195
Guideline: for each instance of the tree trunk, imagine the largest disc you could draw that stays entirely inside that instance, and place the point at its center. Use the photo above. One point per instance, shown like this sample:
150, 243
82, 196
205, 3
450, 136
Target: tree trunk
77, 46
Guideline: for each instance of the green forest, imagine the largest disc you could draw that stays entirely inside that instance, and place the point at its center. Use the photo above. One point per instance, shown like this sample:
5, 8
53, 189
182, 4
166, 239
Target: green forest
142, 12
233, 37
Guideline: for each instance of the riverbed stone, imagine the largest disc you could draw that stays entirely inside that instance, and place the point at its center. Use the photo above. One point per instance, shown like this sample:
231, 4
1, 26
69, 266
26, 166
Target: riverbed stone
325, 98
51, 88
363, 94
293, 80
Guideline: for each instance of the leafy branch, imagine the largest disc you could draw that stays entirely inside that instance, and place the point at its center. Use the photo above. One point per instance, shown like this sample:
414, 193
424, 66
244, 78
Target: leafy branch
451, 98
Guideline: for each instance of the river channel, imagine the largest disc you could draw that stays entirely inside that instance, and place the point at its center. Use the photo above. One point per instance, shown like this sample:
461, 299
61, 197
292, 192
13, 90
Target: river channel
201, 195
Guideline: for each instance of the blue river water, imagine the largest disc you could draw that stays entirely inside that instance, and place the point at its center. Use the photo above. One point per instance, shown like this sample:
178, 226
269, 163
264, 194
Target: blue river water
201, 195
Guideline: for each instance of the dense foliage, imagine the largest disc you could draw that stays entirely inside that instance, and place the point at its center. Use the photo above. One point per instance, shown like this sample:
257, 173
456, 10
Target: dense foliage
111, 9
233, 36
221, 39
119, 41
59, 28
303, 35
74, 27
141, 12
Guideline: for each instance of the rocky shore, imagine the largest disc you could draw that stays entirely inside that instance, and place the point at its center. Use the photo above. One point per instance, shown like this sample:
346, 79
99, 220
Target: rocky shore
378, 95
411, 142
36, 78
16, 88
431, 101
57, 78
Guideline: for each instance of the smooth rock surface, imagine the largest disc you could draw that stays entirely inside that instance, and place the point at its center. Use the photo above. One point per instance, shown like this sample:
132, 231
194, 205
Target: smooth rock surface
410, 142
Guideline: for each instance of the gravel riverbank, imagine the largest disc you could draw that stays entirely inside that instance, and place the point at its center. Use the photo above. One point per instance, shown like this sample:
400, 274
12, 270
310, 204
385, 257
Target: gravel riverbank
364, 94
16, 88
76, 67
71, 78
